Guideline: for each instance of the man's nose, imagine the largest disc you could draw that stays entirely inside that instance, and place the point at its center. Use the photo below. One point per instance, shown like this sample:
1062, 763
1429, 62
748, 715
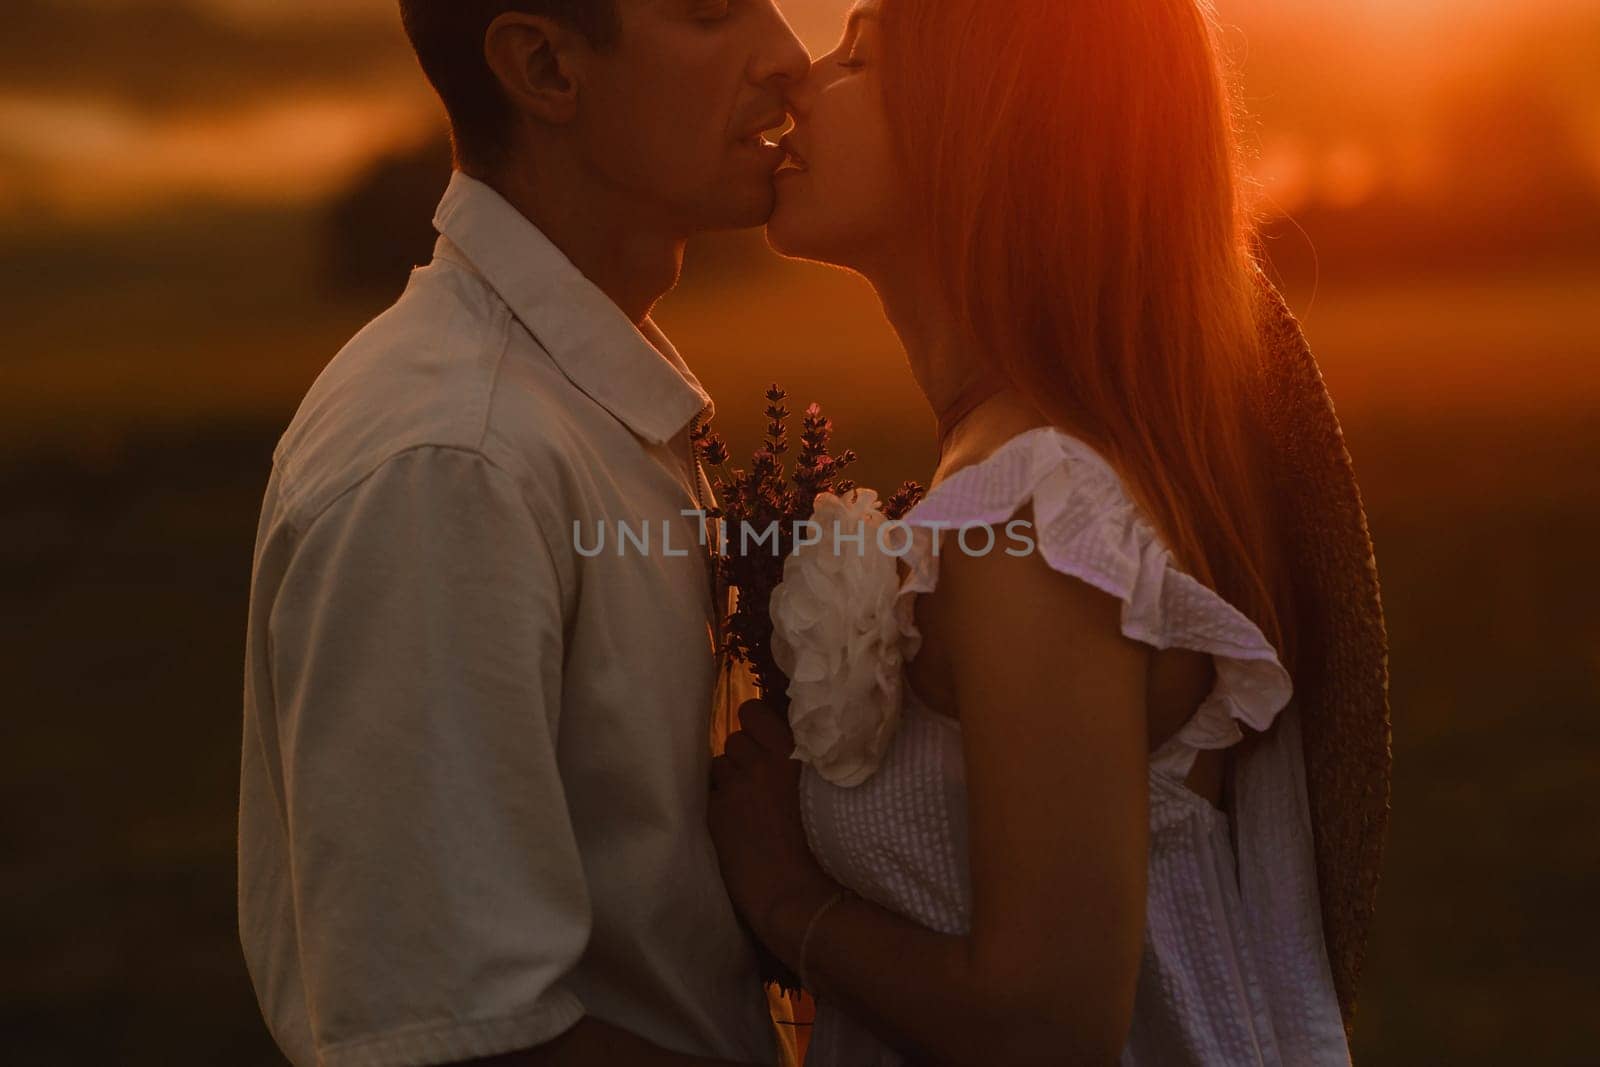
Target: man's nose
797, 95
781, 57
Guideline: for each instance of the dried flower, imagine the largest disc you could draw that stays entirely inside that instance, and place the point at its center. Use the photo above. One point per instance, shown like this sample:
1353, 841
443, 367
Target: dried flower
765, 501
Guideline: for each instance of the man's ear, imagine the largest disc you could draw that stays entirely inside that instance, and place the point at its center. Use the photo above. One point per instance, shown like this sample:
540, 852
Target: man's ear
532, 57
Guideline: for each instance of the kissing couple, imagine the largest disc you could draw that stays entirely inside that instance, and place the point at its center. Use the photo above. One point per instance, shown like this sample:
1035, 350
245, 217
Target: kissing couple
1118, 799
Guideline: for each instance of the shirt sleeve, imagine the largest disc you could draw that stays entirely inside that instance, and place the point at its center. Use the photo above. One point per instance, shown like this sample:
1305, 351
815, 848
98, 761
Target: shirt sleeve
416, 662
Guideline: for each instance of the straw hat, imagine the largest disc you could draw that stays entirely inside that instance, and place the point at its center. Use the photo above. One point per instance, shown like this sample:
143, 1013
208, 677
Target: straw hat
1342, 674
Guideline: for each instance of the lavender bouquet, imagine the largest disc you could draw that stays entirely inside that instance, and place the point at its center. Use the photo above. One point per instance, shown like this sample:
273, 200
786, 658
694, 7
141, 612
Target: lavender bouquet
767, 498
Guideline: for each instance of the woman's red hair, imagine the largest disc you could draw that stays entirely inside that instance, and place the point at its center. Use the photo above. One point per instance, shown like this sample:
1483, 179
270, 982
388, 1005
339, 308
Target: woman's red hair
1076, 162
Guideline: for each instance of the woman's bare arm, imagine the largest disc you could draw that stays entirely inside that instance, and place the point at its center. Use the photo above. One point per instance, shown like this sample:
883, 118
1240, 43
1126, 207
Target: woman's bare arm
1052, 702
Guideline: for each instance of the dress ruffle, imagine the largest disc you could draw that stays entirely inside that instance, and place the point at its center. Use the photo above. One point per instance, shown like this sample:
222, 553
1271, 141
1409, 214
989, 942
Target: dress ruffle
1235, 968
1087, 525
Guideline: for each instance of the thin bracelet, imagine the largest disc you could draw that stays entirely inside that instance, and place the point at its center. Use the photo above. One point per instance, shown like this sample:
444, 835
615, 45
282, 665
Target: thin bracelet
811, 928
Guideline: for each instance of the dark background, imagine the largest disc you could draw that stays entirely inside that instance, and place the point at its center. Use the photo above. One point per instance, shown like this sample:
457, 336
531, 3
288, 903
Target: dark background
200, 202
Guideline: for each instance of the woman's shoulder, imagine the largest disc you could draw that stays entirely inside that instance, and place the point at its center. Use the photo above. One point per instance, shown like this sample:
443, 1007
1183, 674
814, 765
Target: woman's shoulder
987, 431
1000, 427
990, 478
1082, 522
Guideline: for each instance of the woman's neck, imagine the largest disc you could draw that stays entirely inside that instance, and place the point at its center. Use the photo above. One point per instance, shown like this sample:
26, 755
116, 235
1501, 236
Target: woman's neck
974, 407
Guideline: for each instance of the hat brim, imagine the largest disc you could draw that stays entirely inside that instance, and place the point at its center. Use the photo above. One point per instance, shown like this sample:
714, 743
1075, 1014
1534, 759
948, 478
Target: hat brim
1342, 666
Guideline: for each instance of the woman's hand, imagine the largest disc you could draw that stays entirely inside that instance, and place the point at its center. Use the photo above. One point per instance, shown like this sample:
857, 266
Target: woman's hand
754, 816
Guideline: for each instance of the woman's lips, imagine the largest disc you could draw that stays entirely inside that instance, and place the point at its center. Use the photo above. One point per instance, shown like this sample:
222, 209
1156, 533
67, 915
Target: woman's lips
793, 161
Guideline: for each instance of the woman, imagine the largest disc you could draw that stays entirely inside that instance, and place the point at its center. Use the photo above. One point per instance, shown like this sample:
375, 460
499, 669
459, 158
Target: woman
1086, 837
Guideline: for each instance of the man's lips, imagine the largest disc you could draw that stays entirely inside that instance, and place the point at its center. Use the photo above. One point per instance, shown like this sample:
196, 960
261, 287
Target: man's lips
756, 135
760, 146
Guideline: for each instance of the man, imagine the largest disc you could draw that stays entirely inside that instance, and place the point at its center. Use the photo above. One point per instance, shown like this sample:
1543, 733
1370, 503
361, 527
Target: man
475, 764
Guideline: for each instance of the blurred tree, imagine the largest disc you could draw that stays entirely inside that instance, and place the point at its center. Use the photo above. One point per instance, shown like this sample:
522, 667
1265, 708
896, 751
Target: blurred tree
382, 226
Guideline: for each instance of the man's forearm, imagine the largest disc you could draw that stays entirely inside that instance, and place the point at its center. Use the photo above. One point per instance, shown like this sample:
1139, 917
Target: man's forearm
592, 1043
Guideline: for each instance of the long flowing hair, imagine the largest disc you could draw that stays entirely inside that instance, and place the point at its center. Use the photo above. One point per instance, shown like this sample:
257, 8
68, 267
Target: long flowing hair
1078, 165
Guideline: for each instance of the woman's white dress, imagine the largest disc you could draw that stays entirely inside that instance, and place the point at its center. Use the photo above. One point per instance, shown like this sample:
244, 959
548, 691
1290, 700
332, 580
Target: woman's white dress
1234, 969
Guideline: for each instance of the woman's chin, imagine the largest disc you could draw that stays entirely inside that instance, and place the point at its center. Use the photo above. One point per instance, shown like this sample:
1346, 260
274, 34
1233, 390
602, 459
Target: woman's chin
779, 239
784, 237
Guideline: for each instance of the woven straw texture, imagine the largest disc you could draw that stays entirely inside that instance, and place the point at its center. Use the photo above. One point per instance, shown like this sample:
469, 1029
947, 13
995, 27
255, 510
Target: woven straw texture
1342, 679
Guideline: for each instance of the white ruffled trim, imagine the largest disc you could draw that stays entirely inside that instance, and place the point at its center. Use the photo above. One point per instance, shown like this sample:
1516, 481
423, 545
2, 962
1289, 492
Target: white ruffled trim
842, 634
1088, 526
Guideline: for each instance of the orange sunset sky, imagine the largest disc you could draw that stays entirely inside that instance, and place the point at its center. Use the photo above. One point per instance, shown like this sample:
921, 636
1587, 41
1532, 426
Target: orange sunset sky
110, 107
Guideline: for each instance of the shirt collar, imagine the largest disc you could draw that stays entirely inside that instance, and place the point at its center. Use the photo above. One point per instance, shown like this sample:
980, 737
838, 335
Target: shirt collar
633, 372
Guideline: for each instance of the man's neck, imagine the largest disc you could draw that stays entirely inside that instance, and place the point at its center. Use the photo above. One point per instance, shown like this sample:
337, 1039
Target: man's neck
633, 260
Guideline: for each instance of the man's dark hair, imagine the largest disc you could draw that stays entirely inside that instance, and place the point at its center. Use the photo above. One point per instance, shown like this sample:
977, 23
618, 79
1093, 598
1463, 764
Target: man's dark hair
448, 38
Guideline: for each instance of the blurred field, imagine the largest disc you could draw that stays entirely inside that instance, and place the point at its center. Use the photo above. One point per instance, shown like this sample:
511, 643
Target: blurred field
208, 197
138, 429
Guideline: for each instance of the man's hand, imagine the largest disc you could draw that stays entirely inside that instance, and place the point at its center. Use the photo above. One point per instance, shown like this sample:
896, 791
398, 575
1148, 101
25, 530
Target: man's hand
754, 816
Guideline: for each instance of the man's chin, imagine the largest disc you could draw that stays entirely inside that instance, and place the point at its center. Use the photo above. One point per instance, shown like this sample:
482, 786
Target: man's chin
741, 209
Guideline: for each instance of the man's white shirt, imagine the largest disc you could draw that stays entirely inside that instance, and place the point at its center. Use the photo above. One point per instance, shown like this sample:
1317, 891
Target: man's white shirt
475, 761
